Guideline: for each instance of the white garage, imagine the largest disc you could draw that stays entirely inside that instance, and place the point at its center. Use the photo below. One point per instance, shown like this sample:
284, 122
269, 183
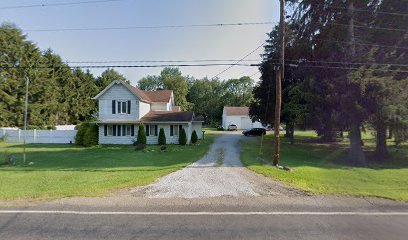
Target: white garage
238, 116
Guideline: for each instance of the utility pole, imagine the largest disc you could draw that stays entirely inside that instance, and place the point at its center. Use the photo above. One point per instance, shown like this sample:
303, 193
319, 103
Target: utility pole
25, 117
280, 73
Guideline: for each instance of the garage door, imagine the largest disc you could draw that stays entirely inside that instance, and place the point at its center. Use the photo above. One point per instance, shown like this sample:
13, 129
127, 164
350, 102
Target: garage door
246, 123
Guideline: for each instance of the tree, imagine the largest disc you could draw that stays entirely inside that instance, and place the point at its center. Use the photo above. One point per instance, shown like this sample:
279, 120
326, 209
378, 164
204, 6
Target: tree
107, 77
141, 135
162, 137
194, 137
182, 137
150, 83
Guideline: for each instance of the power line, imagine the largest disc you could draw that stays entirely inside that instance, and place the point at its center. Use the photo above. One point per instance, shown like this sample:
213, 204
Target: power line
127, 66
372, 28
381, 12
360, 43
57, 4
164, 61
237, 63
151, 27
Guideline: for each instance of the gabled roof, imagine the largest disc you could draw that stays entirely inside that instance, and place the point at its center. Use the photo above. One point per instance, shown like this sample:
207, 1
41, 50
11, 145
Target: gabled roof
159, 95
236, 111
145, 96
164, 116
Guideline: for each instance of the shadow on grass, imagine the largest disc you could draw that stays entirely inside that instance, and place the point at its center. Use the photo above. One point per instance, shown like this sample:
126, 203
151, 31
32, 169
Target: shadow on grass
308, 152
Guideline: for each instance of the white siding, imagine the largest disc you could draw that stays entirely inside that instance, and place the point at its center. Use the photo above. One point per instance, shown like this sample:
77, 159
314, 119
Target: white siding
242, 122
116, 139
150, 139
198, 127
121, 93
159, 107
144, 108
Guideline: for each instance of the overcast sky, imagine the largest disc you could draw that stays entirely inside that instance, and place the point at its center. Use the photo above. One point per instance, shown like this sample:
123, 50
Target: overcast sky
148, 44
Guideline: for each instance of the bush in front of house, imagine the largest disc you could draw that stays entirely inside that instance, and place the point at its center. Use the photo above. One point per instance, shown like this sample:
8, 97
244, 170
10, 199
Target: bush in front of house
183, 137
87, 134
91, 135
140, 146
194, 137
82, 128
141, 135
162, 137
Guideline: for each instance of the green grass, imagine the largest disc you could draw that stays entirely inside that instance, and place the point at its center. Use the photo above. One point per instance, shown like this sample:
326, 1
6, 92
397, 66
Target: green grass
60, 171
319, 168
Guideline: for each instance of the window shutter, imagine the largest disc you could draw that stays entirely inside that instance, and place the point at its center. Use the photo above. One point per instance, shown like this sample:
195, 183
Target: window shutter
128, 107
132, 130
124, 130
155, 130
171, 130
105, 130
147, 130
119, 130
180, 128
113, 107
119, 107
114, 130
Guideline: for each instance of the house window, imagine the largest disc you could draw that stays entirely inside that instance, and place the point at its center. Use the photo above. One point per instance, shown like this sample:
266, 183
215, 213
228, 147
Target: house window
174, 130
110, 130
124, 130
123, 107
129, 130
151, 130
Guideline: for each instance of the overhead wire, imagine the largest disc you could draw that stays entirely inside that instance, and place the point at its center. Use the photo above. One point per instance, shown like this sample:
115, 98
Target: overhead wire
57, 4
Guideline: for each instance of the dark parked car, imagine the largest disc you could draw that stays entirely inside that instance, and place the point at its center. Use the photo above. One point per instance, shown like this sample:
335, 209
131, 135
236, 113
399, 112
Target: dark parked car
254, 132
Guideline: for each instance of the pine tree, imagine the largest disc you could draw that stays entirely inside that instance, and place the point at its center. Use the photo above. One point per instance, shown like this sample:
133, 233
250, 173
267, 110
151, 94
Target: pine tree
194, 137
162, 137
183, 137
141, 135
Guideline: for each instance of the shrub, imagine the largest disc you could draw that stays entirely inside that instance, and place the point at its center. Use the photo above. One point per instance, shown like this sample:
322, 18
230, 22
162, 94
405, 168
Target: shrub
194, 137
140, 146
162, 137
82, 128
141, 135
183, 137
91, 135
3, 138
163, 148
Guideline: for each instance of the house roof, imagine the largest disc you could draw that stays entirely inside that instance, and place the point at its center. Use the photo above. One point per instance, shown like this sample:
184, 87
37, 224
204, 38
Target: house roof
163, 116
145, 96
158, 95
236, 111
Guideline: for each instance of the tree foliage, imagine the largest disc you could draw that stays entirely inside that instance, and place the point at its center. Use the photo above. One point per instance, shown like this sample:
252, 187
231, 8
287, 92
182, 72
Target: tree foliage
194, 137
141, 135
183, 137
162, 137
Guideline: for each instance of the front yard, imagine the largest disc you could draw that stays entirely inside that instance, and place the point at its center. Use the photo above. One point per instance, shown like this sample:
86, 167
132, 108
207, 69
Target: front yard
57, 171
319, 168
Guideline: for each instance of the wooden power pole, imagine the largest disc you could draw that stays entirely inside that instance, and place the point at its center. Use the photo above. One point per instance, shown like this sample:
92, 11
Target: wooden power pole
280, 73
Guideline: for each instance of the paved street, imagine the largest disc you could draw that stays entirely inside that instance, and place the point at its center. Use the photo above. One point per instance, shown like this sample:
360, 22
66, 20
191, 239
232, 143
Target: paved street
268, 217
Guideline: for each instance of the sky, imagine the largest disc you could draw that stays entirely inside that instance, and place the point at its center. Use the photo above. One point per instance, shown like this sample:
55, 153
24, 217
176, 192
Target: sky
229, 42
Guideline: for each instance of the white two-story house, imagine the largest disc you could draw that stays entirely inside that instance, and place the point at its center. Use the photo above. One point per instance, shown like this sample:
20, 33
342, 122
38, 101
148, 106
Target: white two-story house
123, 107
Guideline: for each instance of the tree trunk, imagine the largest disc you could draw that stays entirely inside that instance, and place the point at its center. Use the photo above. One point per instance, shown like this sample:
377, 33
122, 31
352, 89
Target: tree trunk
381, 151
390, 133
356, 155
290, 133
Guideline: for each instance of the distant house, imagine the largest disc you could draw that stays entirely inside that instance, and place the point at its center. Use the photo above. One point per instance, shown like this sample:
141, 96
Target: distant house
238, 116
123, 107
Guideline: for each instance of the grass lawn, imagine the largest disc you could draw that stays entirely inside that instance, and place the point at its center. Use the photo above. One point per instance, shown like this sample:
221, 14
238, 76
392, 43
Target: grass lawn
66, 170
319, 168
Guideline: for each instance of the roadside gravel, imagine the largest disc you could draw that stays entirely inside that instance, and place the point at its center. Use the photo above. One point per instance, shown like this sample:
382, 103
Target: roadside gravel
219, 173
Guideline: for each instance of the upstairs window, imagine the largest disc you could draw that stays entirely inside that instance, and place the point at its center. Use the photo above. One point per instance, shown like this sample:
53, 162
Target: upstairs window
121, 107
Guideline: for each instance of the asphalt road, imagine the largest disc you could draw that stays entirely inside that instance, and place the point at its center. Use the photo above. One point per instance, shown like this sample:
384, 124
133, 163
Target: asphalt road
267, 217
234, 226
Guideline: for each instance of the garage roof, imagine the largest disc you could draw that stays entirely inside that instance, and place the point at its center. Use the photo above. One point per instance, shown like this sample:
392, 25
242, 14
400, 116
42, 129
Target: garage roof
236, 111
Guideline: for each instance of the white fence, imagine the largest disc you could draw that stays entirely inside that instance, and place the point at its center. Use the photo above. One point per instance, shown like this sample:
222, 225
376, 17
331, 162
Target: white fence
39, 136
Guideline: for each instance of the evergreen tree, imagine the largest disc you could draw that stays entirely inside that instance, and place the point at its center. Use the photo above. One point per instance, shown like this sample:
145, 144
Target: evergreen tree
141, 135
194, 137
183, 137
162, 137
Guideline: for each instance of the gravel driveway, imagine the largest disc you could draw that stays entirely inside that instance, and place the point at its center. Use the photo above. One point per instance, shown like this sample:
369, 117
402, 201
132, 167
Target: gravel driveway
219, 173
